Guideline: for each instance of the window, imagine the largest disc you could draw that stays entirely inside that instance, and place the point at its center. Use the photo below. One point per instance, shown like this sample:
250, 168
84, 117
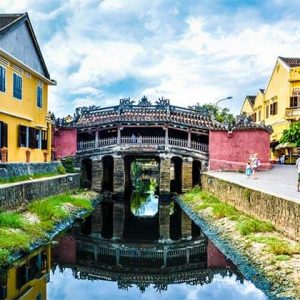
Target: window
32, 138
38, 137
39, 96
259, 115
295, 101
253, 117
2, 79
17, 86
267, 111
273, 108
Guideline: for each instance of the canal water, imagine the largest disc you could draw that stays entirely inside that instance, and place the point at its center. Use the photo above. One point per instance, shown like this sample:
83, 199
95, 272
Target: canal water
93, 261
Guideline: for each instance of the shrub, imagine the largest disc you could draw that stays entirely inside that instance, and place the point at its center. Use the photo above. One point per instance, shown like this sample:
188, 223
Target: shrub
68, 163
60, 169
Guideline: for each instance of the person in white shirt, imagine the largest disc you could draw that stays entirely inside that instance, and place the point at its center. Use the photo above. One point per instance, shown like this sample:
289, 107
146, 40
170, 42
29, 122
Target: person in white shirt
298, 166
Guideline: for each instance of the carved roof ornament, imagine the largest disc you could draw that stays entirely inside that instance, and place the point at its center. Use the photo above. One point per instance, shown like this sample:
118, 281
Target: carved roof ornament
144, 102
162, 102
126, 102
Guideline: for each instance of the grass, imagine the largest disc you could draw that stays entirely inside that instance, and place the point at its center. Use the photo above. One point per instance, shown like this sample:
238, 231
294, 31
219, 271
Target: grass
27, 177
17, 233
10, 220
277, 246
246, 225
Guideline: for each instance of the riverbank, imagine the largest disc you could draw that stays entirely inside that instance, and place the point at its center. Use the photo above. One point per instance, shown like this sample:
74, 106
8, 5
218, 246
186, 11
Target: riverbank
23, 231
248, 242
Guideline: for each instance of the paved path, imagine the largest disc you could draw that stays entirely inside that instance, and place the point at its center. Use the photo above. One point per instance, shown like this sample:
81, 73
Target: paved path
280, 181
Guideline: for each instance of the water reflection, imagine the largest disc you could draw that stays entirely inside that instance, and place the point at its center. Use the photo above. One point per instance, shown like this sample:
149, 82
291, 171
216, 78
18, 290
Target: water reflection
86, 266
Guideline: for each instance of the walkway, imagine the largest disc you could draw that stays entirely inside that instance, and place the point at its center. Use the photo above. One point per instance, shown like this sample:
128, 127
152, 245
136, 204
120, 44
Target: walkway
280, 181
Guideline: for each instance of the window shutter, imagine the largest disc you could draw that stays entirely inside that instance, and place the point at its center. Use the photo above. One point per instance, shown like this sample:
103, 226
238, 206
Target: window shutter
4, 135
2, 79
44, 140
32, 138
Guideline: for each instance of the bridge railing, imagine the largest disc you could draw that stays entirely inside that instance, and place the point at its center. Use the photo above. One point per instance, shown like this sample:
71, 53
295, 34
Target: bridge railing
142, 140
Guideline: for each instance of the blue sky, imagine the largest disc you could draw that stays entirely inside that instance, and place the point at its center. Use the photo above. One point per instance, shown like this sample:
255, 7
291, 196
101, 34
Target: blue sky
186, 50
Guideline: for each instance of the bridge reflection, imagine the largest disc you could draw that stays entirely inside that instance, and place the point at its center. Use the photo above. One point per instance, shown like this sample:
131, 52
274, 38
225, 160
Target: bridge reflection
141, 263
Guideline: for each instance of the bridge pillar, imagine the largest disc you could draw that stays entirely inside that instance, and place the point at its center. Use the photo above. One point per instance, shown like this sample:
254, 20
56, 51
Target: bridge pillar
118, 219
164, 220
97, 221
164, 175
97, 175
119, 175
186, 226
187, 173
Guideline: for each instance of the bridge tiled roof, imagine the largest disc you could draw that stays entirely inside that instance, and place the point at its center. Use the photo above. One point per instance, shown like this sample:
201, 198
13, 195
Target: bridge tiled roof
144, 114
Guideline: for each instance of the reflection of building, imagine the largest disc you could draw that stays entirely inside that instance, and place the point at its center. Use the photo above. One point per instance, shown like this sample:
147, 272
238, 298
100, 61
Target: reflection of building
279, 104
24, 81
193, 261
28, 279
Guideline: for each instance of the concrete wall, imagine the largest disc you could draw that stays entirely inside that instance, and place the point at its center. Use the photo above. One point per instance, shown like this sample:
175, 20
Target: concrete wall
64, 142
231, 151
282, 213
14, 195
18, 169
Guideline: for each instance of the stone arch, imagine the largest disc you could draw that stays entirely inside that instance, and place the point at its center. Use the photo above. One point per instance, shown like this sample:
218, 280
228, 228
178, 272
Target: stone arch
86, 173
176, 175
196, 171
108, 173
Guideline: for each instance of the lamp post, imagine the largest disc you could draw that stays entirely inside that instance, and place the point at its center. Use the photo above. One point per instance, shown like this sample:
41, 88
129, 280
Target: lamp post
223, 99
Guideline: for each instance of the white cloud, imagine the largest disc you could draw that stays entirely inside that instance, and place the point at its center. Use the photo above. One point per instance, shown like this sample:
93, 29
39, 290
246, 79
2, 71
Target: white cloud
188, 57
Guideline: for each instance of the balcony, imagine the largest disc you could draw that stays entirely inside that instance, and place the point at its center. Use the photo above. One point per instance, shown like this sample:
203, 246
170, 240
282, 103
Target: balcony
292, 113
143, 141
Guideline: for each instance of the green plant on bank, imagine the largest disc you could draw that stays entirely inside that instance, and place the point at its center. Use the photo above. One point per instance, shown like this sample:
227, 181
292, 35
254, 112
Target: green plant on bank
61, 169
26, 177
276, 245
17, 233
246, 225
68, 164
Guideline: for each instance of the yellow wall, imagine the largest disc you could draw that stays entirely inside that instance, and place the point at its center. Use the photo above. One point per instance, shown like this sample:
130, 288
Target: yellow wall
279, 89
247, 107
25, 112
33, 288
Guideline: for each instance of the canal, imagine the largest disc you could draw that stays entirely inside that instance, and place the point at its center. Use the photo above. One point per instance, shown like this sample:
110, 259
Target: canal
122, 254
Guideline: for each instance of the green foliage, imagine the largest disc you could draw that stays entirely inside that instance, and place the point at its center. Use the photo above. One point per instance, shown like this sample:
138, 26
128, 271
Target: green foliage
68, 163
212, 110
60, 169
10, 220
4, 254
14, 239
276, 245
292, 135
249, 225
282, 257
26, 177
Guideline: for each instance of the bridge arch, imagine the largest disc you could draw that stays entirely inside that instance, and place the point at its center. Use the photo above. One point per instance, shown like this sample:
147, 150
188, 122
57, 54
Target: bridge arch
108, 173
176, 175
196, 171
86, 172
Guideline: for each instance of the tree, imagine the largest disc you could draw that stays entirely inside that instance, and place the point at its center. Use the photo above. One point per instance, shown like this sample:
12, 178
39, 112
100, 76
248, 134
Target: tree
215, 112
292, 135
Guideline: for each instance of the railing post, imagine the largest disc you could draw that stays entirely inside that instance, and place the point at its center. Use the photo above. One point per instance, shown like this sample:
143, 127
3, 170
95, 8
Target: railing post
96, 138
189, 139
166, 135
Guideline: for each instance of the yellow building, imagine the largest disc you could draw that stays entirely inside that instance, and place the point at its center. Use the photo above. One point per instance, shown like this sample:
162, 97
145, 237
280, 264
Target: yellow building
279, 104
28, 279
24, 81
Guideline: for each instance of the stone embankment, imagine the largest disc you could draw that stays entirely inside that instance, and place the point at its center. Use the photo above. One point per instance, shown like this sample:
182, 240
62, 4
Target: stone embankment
14, 195
283, 213
278, 275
